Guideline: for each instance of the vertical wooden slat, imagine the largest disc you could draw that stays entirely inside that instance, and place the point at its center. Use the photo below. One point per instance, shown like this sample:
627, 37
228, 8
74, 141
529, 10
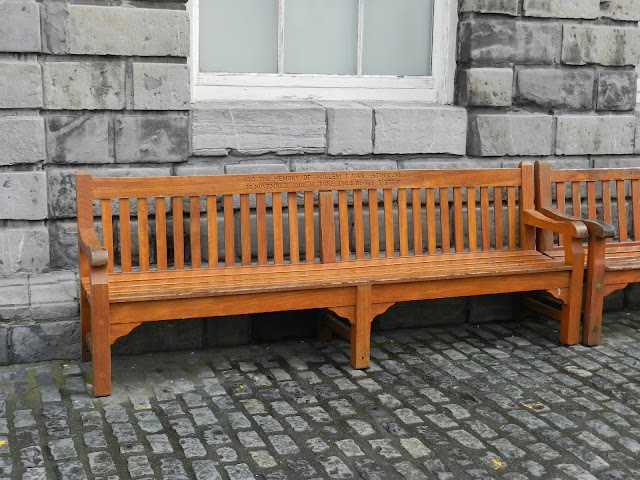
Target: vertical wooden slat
309, 244
575, 199
125, 235
526, 202
292, 213
471, 219
606, 201
326, 227
622, 210
561, 197
343, 215
229, 231
278, 243
358, 226
143, 234
458, 231
511, 216
388, 222
591, 200
161, 232
485, 225
261, 220
212, 231
245, 230
374, 229
543, 189
416, 210
497, 215
107, 229
84, 211
430, 220
178, 233
444, 220
635, 208
403, 232
194, 231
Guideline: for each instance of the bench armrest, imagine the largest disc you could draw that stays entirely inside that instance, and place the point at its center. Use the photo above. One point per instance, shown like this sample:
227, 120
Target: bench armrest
91, 247
596, 228
568, 227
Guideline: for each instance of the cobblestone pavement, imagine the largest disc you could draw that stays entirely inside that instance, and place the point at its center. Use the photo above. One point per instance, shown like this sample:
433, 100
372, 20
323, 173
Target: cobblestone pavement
489, 401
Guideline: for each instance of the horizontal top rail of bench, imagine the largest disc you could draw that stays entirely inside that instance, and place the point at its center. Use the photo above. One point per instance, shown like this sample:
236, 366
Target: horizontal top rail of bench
147, 187
594, 174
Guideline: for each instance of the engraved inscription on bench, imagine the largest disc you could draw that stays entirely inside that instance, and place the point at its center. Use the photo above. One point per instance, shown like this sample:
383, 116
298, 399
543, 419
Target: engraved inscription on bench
321, 180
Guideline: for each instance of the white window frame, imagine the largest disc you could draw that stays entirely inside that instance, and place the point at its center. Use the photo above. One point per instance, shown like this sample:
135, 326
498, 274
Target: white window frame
437, 88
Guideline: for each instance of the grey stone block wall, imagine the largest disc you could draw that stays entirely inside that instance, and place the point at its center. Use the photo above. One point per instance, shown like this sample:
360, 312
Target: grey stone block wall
105, 86
574, 85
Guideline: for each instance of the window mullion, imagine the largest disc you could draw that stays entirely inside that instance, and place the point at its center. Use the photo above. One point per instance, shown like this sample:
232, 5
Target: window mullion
360, 36
281, 6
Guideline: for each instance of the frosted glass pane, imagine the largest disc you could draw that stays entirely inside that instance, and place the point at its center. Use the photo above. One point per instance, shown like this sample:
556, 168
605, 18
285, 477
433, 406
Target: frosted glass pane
321, 36
239, 36
397, 37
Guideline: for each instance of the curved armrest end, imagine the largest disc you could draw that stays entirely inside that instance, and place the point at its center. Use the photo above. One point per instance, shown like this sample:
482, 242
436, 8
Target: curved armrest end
565, 226
596, 228
91, 247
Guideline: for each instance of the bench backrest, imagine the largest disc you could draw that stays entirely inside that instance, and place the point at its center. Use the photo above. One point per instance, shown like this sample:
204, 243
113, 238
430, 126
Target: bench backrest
230, 220
608, 194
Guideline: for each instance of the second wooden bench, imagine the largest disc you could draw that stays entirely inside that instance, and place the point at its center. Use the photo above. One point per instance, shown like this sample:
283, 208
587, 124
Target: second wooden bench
607, 200
354, 242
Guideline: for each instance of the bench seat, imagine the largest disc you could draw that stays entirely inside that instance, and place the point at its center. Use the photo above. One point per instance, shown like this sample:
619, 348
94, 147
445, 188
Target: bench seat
159, 285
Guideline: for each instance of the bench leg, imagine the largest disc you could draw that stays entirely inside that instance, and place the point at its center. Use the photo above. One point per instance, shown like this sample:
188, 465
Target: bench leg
571, 309
594, 294
85, 326
100, 338
361, 328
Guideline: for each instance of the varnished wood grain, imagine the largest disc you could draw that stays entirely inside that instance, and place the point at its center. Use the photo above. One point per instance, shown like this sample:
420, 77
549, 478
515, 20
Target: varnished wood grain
389, 241
143, 234
472, 227
245, 230
261, 221
343, 214
294, 243
444, 220
107, 230
278, 239
416, 209
358, 225
458, 230
194, 232
178, 232
309, 239
212, 231
374, 229
125, 235
161, 233
229, 231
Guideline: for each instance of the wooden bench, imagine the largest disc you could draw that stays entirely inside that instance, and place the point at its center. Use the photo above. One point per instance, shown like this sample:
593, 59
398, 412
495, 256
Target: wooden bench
603, 199
352, 242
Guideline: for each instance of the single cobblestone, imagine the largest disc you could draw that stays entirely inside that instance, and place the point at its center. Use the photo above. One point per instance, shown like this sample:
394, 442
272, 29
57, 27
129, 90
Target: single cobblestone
139, 466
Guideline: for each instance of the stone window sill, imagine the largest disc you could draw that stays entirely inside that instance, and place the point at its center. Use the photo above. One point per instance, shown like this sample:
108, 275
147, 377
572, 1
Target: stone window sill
334, 128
